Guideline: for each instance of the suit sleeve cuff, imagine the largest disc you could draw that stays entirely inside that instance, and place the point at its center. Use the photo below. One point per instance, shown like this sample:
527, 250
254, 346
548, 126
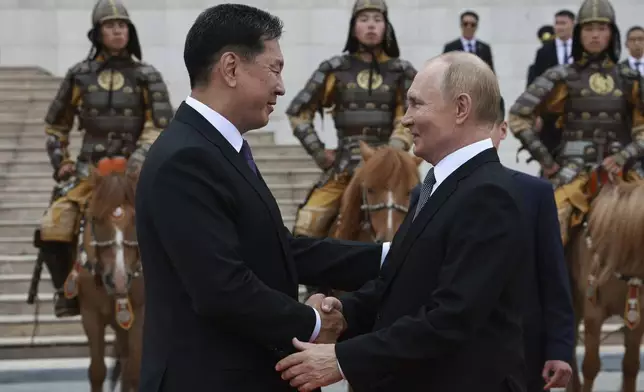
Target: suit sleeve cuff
318, 325
385, 251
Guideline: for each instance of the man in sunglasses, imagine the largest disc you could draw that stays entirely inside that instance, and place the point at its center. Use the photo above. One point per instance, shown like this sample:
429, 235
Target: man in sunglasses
468, 42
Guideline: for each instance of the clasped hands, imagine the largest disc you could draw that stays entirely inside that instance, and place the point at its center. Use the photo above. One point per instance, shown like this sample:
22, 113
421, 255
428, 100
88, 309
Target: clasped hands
315, 365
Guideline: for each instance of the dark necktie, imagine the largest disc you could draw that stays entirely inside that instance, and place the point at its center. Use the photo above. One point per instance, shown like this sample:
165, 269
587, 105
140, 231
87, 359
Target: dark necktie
637, 66
470, 47
248, 155
425, 190
567, 53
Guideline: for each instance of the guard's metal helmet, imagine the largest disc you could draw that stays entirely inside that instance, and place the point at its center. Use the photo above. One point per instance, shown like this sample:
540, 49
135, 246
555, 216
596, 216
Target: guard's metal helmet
106, 10
389, 44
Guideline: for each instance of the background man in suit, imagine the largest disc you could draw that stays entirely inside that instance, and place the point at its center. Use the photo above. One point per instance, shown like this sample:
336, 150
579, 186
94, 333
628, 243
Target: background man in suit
445, 312
635, 46
557, 51
548, 324
545, 34
468, 42
221, 270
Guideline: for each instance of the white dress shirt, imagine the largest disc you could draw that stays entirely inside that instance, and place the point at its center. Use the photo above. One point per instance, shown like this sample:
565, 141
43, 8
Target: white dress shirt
632, 62
469, 45
453, 161
564, 49
234, 137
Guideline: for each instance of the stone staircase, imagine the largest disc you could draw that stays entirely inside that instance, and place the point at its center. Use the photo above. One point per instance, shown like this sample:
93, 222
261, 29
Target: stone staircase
25, 186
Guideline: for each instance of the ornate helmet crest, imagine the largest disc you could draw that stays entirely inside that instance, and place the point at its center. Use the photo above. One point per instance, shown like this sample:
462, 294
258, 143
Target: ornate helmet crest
389, 44
106, 10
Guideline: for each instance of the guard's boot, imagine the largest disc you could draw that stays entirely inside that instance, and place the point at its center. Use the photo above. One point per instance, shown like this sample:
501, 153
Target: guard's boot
58, 261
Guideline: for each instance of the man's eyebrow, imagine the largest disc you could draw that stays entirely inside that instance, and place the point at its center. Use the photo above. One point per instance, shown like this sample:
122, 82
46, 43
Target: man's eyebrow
413, 98
279, 63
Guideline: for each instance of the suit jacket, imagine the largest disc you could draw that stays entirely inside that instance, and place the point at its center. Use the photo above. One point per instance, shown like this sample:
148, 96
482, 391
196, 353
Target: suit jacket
548, 324
546, 58
445, 312
483, 50
221, 270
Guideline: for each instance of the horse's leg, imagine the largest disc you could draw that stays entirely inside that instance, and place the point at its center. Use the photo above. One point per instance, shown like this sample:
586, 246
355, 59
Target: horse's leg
594, 316
631, 360
95, 331
123, 355
135, 348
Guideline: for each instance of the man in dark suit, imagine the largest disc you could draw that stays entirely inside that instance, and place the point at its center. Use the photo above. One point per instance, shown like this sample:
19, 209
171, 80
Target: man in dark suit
548, 324
468, 42
555, 52
445, 312
545, 34
221, 270
635, 46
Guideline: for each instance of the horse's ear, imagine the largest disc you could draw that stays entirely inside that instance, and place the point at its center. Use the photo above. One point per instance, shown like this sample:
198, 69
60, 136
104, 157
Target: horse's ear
366, 151
348, 223
418, 160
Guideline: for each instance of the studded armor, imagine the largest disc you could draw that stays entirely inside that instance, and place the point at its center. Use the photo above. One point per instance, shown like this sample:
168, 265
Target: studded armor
600, 108
361, 110
121, 104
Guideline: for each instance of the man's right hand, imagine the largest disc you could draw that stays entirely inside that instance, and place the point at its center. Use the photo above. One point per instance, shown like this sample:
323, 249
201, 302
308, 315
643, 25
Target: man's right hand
333, 322
551, 171
64, 171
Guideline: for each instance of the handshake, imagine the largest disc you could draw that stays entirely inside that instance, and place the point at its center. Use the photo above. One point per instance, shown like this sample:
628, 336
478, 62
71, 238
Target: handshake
333, 323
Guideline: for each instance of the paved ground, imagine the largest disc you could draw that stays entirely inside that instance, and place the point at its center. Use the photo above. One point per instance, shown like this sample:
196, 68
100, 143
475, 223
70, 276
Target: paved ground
70, 375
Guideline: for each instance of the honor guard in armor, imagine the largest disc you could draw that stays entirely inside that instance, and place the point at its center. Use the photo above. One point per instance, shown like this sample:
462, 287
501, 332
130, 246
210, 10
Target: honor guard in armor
599, 103
121, 104
365, 91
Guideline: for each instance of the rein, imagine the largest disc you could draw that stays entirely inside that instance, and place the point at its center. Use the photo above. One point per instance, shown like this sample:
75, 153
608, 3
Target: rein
367, 209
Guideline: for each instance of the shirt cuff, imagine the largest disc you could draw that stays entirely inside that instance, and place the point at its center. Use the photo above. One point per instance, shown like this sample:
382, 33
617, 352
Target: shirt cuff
385, 251
340, 369
318, 325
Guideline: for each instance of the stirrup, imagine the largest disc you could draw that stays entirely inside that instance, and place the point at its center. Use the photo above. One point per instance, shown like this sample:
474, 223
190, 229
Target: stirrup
67, 308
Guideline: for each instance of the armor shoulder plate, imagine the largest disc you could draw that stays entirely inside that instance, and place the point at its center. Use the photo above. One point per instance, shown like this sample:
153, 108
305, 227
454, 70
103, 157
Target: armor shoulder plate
64, 95
316, 83
628, 73
557, 73
158, 96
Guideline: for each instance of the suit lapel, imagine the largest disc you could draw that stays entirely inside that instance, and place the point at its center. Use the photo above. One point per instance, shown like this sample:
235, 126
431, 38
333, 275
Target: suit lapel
440, 196
188, 115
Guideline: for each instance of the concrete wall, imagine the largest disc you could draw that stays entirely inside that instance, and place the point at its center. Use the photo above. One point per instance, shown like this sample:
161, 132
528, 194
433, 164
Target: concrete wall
52, 34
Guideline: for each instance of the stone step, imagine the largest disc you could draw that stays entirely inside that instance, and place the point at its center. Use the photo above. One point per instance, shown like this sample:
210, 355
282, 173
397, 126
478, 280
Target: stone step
42, 192
33, 109
17, 245
44, 84
32, 211
4, 77
17, 264
19, 234
41, 163
34, 151
70, 346
35, 128
16, 304
21, 94
22, 325
19, 283
271, 176
10, 71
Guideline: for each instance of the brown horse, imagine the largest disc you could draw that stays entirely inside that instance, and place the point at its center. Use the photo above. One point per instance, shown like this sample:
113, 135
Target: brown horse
377, 197
107, 276
606, 258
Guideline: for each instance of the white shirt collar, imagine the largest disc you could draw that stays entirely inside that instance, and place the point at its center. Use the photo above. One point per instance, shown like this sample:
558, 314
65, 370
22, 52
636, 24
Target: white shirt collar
453, 161
560, 42
633, 60
466, 41
221, 123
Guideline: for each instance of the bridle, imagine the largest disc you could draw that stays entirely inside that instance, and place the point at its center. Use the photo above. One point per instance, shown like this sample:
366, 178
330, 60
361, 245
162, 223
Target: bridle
367, 209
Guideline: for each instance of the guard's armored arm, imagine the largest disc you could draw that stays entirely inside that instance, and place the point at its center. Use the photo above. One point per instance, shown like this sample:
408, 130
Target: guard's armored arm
301, 111
158, 113
635, 149
59, 121
546, 91
401, 136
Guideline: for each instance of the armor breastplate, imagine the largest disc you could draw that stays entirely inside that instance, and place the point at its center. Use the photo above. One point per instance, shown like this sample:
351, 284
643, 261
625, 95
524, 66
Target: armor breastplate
596, 115
112, 109
358, 113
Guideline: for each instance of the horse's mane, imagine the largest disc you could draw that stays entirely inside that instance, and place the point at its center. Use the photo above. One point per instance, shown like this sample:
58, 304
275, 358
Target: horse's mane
111, 191
387, 168
616, 229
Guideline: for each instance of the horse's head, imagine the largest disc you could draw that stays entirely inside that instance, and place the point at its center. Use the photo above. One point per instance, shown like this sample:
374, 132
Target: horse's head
110, 232
377, 198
